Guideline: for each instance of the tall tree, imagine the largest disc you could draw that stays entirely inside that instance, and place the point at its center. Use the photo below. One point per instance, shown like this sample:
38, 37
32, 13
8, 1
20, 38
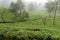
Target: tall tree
50, 6
18, 9
56, 6
17, 6
53, 6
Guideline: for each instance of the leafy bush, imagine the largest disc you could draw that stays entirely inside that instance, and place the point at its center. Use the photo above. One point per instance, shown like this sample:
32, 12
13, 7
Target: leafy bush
8, 33
22, 16
7, 16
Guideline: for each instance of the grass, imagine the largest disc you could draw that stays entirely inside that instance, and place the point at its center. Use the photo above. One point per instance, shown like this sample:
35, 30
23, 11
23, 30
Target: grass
30, 30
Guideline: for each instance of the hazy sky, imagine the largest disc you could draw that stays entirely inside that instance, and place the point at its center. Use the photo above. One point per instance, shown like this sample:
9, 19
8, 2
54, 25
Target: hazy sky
27, 1
7, 2
42, 1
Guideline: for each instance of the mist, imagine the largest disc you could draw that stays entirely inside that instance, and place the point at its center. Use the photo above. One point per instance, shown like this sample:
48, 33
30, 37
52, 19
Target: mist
6, 3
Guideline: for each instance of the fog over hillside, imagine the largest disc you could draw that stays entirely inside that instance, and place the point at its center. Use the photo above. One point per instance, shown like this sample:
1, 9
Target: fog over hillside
5, 3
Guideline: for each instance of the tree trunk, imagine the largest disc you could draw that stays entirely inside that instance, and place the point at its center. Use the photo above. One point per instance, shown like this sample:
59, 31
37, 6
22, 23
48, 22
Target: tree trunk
55, 12
49, 14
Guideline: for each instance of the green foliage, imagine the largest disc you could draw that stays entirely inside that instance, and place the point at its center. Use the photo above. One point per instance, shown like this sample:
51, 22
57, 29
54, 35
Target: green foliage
6, 15
29, 33
22, 16
28, 30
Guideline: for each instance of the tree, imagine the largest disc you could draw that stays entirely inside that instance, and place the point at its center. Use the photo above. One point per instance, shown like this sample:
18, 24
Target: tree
53, 6
56, 6
17, 6
20, 5
50, 6
18, 9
